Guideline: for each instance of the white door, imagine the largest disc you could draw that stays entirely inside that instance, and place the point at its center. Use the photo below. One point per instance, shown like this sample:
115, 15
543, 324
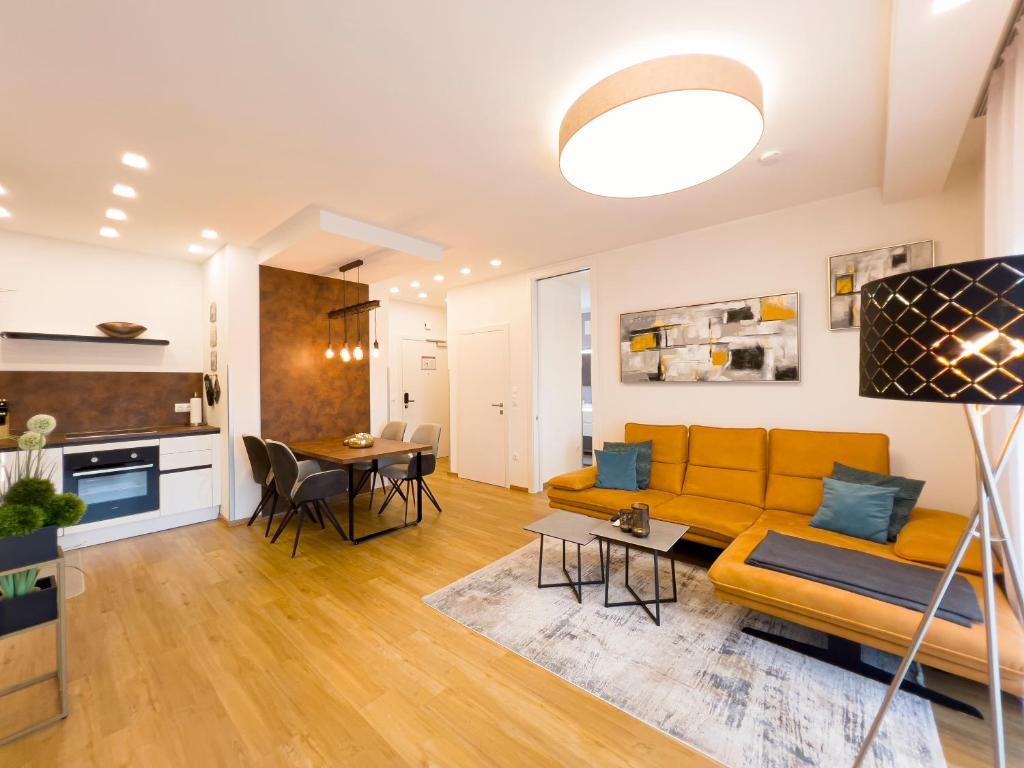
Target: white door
560, 375
483, 406
424, 395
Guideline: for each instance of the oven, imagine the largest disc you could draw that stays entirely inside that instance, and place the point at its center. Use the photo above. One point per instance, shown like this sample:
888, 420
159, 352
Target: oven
115, 480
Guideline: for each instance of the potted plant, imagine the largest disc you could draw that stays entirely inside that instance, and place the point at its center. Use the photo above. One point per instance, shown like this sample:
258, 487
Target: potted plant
31, 511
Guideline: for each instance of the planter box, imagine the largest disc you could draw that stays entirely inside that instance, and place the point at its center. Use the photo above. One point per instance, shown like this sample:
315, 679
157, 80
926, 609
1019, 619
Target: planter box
24, 551
36, 607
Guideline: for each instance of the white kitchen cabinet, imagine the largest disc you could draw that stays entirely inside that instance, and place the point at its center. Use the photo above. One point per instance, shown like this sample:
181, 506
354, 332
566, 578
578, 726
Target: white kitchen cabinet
186, 491
52, 465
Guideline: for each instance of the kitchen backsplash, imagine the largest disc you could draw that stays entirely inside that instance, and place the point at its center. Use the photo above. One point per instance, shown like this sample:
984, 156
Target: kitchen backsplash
87, 400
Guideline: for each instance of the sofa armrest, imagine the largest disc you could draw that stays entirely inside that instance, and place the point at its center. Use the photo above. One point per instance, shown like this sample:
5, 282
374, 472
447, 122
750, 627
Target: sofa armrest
931, 536
579, 480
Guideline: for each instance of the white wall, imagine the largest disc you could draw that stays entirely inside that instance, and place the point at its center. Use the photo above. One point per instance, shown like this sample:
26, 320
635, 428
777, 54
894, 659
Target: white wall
64, 287
778, 252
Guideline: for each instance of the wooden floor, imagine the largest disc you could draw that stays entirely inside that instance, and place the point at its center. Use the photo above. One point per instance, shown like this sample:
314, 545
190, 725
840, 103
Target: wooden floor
207, 646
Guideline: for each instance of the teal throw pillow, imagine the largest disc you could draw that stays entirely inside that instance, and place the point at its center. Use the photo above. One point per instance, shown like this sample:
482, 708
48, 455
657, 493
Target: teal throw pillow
856, 510
907, 492
617, 470
643, 459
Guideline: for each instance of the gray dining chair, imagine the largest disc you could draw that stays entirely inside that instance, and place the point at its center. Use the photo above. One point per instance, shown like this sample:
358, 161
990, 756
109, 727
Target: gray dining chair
393, 430
403, 470
307, 493
263, 475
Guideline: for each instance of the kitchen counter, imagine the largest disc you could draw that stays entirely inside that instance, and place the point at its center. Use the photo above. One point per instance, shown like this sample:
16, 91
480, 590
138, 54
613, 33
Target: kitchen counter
56, 439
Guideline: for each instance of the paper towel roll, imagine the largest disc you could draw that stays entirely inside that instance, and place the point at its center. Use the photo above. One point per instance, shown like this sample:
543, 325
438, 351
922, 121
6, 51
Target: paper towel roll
195, 416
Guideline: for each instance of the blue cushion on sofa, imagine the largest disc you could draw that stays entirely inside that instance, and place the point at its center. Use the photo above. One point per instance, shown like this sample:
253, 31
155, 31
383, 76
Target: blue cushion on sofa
907, 492
617, 470
643, 459
855, 510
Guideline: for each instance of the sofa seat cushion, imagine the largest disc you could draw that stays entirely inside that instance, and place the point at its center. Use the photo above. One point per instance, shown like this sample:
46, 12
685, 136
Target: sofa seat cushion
956, 649
724, 519
579, 480
931, 536
606, 500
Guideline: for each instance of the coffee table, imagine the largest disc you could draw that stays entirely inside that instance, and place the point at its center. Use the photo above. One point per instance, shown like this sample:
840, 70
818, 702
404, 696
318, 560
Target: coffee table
575, 529
662, 538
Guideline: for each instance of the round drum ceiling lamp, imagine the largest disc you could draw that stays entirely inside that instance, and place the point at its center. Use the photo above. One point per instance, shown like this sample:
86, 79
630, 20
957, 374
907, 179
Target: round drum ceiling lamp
661, 126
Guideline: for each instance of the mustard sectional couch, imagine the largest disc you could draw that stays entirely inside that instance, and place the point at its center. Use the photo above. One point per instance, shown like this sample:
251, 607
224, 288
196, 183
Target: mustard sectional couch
732, 486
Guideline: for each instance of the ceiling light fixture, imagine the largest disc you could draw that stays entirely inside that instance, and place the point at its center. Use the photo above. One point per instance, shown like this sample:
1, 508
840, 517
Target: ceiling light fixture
4, 213
133, 160
3, 189
210, 234
357, 353
771, 157
393, 289
109, 232
465, 271
116, 214
329, 352
422, 295
123, 190
197, 249
495, 262
414, 284
941, 6
439, 278
375, 351
661, 126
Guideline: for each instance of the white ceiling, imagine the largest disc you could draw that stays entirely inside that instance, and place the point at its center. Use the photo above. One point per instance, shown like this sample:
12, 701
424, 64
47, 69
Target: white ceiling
435, 120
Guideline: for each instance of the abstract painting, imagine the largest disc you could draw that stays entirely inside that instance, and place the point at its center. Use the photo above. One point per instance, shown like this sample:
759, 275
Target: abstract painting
740, 340
848, 272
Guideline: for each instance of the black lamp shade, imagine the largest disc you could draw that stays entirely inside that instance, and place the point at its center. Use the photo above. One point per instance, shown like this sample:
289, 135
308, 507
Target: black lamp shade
949, 334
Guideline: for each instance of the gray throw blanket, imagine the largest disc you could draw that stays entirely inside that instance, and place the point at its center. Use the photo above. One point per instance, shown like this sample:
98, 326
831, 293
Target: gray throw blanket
910, 586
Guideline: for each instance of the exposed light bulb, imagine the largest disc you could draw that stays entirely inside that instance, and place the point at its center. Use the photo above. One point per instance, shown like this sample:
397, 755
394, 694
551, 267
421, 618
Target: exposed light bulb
345, 354
357, 353
329, 354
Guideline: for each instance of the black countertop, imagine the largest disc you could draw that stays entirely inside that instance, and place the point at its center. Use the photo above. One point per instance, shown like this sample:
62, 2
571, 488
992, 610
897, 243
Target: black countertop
56, 439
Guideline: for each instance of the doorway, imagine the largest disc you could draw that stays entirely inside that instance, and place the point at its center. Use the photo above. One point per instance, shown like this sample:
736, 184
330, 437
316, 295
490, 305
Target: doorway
424, 386
564, 417
483, 405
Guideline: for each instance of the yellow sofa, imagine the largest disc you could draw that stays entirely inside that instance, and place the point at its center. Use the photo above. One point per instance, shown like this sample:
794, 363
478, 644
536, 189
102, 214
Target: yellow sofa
731, 486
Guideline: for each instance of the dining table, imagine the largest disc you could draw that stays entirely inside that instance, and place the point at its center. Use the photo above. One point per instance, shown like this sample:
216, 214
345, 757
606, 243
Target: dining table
334, 451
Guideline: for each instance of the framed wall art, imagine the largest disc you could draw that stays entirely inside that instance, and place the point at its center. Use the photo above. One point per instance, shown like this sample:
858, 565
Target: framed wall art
848, 272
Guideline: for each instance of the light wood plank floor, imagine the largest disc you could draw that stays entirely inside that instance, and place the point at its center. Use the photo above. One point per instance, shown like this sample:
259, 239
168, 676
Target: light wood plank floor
207, 646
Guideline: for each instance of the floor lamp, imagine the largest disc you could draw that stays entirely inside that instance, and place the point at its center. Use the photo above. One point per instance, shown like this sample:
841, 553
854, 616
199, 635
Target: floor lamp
954, 334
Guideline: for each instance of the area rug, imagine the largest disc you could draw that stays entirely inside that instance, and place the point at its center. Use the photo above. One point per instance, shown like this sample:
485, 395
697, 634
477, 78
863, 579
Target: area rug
697, 677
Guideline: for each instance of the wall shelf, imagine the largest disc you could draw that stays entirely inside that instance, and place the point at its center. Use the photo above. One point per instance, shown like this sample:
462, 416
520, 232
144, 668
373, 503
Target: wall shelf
85, 339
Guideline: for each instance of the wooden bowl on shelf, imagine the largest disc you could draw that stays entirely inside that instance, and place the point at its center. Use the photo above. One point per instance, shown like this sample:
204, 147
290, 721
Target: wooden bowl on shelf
121, 330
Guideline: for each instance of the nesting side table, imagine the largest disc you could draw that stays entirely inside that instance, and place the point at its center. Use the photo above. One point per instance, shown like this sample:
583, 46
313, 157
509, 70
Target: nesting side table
574, 529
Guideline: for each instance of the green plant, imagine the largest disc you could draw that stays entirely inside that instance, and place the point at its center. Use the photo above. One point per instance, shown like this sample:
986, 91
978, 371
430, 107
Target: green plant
32, 491
63, 510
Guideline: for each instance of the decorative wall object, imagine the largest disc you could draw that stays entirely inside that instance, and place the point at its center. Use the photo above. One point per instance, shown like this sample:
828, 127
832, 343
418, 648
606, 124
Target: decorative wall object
213, 360
848, 272
213, 335
213, 311
740, 340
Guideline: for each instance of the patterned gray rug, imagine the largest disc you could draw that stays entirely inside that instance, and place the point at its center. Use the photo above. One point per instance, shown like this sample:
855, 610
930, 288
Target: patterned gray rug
697, 678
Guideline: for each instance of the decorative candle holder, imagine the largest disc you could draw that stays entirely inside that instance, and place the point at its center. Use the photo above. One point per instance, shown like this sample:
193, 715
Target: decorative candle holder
641, 520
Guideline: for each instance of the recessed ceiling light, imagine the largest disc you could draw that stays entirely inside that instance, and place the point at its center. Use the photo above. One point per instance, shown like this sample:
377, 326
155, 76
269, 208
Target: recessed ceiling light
123, 190
4, 213
393, 289
116, 214
3, 189
495, 262
133, 160
661, 126
941, 6
465, 271
210, 234
414, 284
193, 248
439, 278
771, 157
109, 232
422, 295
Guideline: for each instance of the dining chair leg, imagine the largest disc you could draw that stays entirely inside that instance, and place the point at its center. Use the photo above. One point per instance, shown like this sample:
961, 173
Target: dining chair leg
273, 510
333, 520
298, 531
319, 516
390, 496
408, 493
284, 522
373, 486
430, 495
259, 507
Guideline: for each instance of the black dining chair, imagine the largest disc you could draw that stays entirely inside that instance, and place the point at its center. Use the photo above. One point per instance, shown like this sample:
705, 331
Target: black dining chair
263, 475
403, 471
393, 430
306, 494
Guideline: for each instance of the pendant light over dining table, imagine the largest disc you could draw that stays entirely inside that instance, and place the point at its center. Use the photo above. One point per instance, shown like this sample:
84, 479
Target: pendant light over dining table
661, 126
343, 312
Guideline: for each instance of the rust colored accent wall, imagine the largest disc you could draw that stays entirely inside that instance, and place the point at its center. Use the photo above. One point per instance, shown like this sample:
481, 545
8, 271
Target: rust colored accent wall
90, 400
303, 395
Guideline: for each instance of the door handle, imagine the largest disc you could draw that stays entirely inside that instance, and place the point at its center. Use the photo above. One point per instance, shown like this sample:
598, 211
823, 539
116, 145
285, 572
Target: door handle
406, 399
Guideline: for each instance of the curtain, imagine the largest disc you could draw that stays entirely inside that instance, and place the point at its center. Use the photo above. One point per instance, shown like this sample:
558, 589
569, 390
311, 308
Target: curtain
1004, 234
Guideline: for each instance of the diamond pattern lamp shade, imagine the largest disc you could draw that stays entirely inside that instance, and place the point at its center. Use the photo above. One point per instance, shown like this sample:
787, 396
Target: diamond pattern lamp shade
950, 334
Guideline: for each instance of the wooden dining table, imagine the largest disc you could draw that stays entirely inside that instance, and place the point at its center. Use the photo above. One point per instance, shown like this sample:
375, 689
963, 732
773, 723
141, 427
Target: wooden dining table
334, 451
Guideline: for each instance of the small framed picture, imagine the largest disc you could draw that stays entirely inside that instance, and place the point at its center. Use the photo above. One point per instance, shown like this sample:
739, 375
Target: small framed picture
213, 311
213, 359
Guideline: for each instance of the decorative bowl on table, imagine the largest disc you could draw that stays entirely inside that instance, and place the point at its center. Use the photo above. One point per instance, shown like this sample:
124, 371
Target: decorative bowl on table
359, 440
122, 330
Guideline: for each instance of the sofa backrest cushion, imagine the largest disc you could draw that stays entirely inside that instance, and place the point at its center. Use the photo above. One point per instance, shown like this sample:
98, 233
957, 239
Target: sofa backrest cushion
668, 454
727, 464
799, 459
